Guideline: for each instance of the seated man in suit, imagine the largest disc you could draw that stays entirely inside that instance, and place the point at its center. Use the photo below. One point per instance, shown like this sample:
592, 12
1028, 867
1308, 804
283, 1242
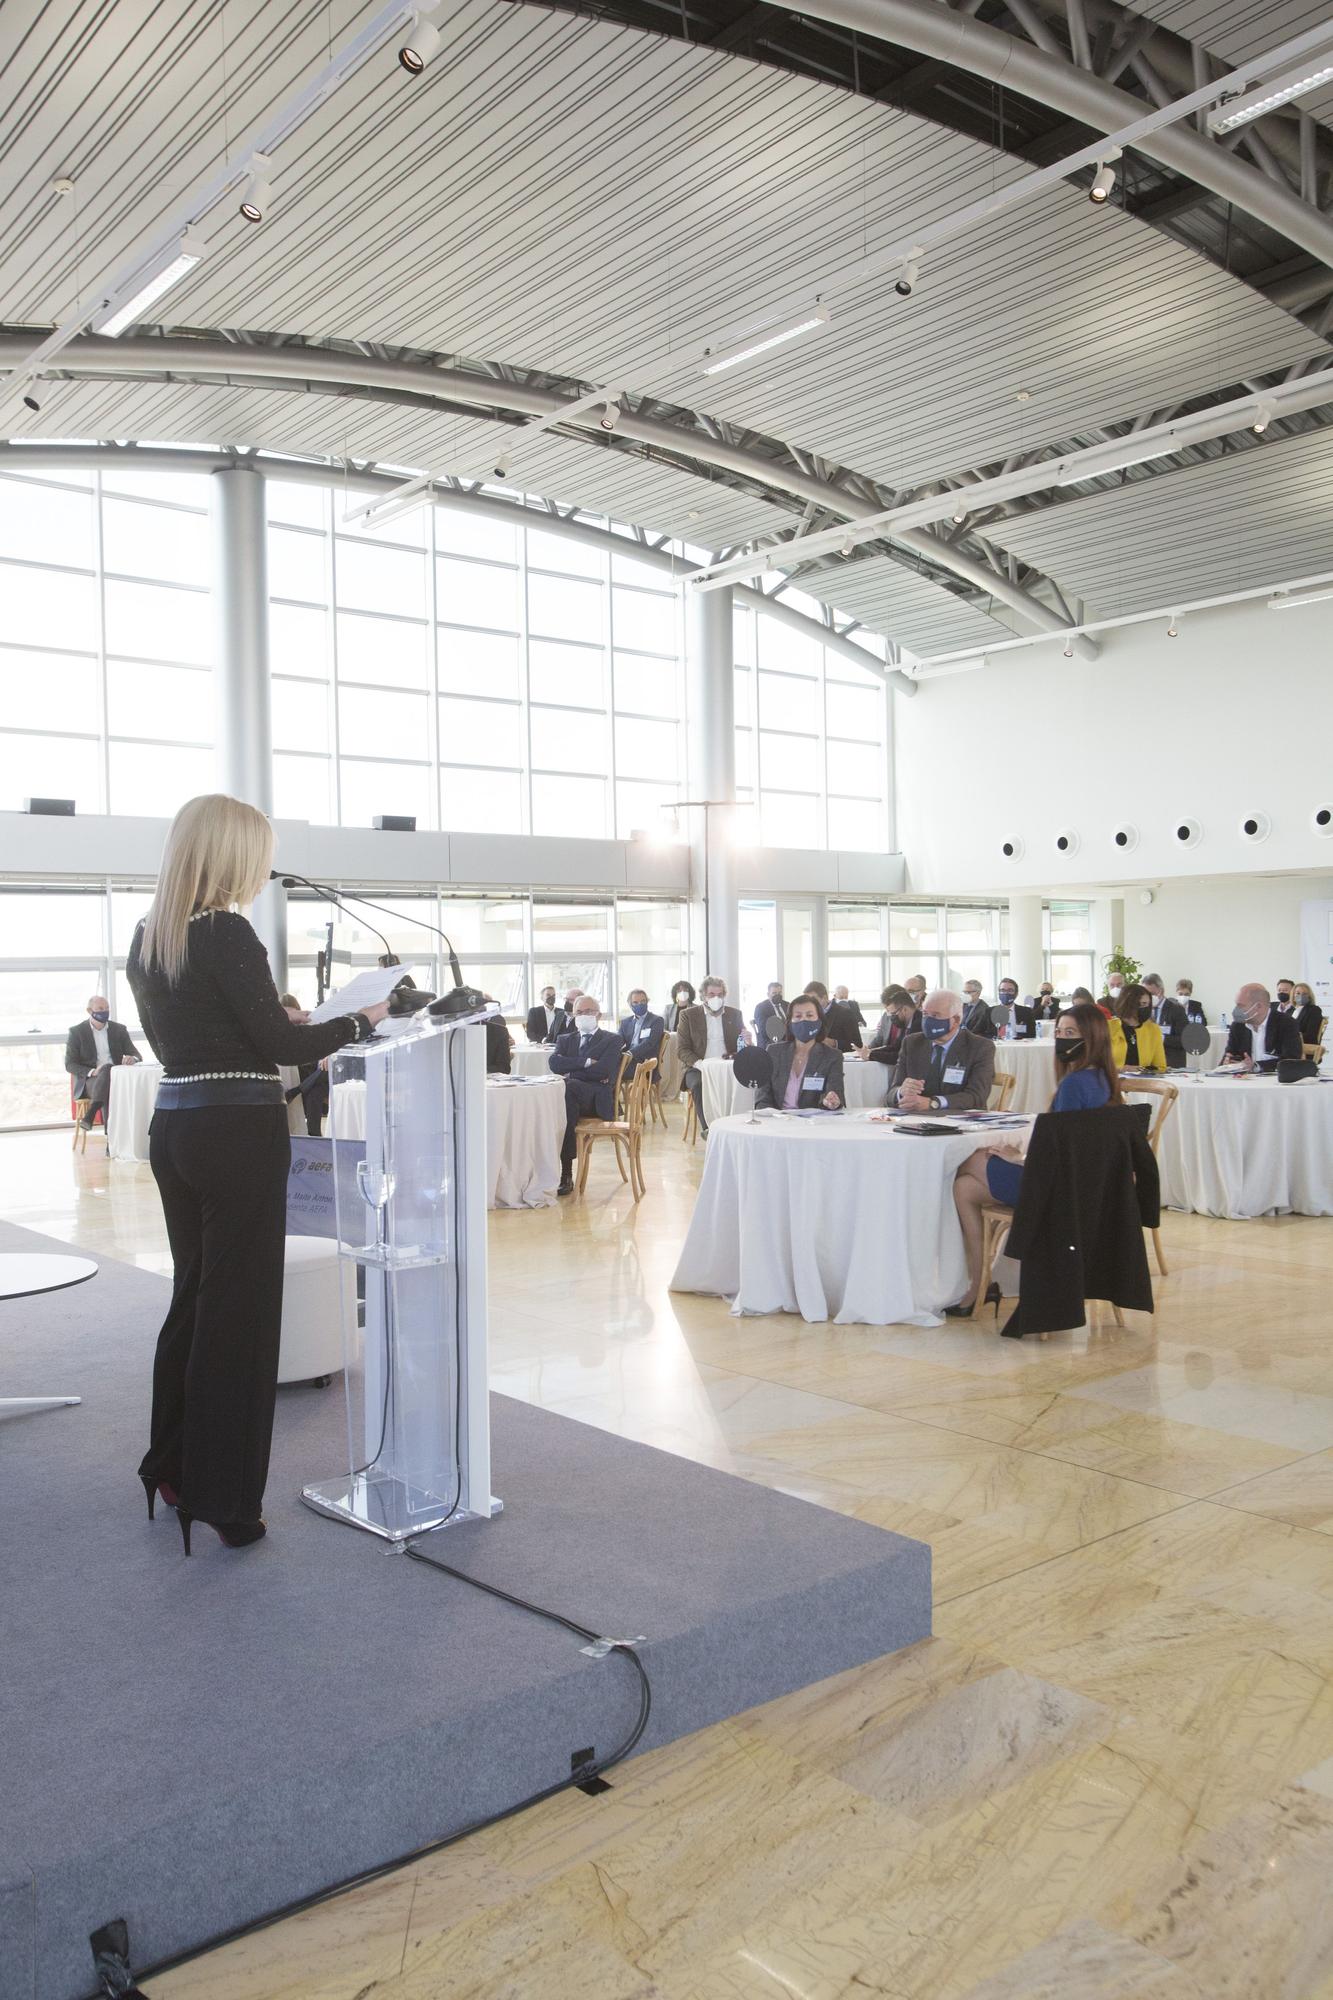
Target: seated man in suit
640, 1031
1045, 1006
772, 1009
1170, 1017
838, 1028
976, 1014
1260, 1037
944, 1068
544, 1023
92, 1047
499, 1044
1019, 1024
899, 1020
708, 1029
842, 998
588, 1058
1194, 1009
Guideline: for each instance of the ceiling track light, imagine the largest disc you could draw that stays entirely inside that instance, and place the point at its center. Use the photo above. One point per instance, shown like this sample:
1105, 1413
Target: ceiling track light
423, 40
114, 316
501, 467
958, 516
911, 272
258, 196
1103, 181
610, 416
1234, 111
1068, 650
1263, 417
1173, 629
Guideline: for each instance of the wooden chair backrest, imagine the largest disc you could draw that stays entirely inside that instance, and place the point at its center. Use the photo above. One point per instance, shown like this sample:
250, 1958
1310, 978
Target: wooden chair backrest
1003, 1088
1166, 1094
636, 1097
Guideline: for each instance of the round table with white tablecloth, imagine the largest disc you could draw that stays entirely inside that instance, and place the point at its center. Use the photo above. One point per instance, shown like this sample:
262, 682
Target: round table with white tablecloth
525, 1123
129, 1110
1033, 1063
134, 1093
865, 1085
532, 1059
840, 1218
1243, 1146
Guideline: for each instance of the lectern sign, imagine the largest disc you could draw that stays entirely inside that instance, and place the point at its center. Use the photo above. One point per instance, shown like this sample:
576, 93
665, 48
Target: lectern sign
411, 1209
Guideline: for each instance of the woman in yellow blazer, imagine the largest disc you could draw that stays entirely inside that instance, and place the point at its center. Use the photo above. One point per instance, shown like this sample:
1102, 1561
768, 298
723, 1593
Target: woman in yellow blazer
1136, 1039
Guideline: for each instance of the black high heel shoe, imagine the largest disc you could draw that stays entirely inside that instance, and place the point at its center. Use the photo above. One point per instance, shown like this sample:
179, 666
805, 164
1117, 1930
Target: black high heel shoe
236, 1534
960, 1311
152, 1487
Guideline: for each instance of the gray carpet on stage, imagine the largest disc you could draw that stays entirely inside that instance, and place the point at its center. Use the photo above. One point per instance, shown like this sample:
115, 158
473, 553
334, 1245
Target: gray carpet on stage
193, 1744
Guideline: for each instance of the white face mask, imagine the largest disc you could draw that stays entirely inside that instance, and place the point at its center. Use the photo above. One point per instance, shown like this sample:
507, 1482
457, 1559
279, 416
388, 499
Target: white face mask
586, 1023
714, 1003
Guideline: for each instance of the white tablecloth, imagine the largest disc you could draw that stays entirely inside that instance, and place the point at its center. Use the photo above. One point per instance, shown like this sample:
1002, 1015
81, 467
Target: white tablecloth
1033, 1063
129, 1110
525, 1123
1248, 1146
836, 1218
866, 1085
532, 1059
134, 1093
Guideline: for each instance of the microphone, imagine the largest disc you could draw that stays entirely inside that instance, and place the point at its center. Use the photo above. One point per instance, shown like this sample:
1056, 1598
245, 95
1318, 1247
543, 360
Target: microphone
397, 915
290, 882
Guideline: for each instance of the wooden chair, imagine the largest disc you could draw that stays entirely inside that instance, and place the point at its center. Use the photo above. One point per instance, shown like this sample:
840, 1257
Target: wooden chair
620, 1085
1314, 1050
626, 1132
1166, 1095
1003, 1088
78, 1107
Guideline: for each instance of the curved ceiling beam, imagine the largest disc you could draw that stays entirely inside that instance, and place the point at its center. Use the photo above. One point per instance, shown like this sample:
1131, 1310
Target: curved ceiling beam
306, 368
163, 458
936, 31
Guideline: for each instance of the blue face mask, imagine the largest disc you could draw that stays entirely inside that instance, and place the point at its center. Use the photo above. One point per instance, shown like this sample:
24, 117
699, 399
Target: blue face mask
935, 1027
638, 1007
101, 1019
805, 1031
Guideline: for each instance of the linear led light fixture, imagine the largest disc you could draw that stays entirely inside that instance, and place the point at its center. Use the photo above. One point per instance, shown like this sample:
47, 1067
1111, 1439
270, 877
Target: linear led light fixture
1128, 451
1237, 111
113, 317
714, 360
1288, 600
386, 507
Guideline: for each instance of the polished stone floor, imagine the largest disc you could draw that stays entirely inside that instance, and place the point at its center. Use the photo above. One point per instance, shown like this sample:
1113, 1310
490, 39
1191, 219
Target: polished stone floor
1109, 1774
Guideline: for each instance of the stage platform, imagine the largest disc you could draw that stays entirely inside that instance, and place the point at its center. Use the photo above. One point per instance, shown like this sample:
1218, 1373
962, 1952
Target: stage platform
191, 1745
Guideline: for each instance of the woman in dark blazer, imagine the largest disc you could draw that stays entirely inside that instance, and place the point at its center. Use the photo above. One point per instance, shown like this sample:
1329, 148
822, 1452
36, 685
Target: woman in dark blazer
805, 1074
1307, 1014
682, 996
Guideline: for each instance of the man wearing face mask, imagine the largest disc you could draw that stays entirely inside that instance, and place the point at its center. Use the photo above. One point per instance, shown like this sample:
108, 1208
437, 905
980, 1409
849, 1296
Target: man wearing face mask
944, 1068
1045, 1007
711, 1029
1110, 1000
92, 1048
640, 1031
588, 1058
1017, 1023
544, 1023
976, 1014
896, 1023
1194, 1009
771, 1013
1170, 1017
1260, 1036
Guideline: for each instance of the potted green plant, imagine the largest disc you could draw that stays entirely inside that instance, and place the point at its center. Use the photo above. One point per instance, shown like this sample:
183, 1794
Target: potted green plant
1120, 961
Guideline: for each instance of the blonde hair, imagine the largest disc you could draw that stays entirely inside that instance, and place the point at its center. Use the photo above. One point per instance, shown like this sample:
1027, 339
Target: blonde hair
218, 855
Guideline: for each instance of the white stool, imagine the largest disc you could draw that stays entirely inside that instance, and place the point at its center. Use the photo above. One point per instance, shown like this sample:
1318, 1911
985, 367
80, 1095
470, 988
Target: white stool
317, 1287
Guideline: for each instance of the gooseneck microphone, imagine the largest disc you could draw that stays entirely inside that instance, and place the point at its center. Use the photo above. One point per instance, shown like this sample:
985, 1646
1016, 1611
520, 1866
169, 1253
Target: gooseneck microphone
322, 889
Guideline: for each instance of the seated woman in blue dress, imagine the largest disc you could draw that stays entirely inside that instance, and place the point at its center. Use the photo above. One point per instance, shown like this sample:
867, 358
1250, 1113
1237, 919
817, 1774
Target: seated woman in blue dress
1089, 1080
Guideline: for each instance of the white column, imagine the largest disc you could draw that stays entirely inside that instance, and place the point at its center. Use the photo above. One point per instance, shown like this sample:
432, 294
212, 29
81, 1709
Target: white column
243, 708
712, 765
1025, 960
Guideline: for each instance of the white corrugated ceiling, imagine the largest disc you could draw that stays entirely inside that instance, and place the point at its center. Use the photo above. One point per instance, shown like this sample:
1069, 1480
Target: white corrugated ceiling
1238, 29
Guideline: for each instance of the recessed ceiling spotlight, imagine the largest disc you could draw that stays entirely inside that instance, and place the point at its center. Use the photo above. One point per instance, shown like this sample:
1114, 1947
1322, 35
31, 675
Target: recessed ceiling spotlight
1022, 395
423, 40
258, 190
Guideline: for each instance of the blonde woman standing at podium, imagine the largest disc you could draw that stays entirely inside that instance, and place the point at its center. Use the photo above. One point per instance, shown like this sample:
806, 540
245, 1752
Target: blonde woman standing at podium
219, 1150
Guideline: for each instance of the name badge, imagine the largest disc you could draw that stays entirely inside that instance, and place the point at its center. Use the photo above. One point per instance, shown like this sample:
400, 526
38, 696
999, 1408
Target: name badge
955, 1073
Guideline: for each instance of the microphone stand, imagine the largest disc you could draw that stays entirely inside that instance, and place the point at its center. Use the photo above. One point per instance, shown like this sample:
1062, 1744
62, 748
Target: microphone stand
323, 889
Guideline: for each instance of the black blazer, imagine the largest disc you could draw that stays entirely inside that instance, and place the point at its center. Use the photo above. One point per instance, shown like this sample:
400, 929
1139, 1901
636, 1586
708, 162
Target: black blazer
1025, 1023
81, 1050
535, 1026
499, 1047
1088, 1192
977, 1020
1173, 1023
823, 1072
1307, 1020
595, 1060
1046, 1010
839, 1025
886, 1044
1279, 1038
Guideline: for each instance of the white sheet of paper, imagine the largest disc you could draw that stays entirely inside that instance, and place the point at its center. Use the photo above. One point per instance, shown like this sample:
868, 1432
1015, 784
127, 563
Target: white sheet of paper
368, 987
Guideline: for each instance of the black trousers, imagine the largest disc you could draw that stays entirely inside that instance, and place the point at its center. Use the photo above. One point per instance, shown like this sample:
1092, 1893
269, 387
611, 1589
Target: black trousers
222, 1175
580, 1102
97, 1090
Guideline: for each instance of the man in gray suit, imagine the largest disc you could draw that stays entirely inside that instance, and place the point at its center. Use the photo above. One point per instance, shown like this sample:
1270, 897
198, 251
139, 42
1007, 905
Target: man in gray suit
944, 1068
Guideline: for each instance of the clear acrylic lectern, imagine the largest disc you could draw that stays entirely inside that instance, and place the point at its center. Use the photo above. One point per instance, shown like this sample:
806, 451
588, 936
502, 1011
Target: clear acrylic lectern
413, 1215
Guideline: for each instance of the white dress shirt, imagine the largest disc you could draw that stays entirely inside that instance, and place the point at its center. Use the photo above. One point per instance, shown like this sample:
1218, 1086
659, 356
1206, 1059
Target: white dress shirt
102, 1043
717, 1039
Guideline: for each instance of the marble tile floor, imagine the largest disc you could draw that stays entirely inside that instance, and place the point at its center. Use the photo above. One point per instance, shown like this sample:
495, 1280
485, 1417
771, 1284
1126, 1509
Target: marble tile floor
1109, 1776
